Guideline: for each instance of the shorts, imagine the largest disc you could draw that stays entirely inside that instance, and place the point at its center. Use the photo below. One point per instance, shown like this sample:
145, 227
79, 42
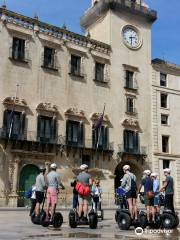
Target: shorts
147, 201
84, 199
39, 196
156, 201
52, 196
131, 194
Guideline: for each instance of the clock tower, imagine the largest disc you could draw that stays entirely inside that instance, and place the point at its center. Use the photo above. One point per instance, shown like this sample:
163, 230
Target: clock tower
126, 26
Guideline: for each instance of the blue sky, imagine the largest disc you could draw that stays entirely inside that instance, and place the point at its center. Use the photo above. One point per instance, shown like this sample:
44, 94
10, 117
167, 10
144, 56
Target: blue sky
166, 30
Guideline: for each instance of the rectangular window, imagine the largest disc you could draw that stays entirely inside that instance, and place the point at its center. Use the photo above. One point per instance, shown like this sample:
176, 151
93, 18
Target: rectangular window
13, 124
49, 57
163, 80
164, 98
131, 142
166, 163
75, 65
100, 138
74, 133
130, 105
165, 144
129, 79
46, 129
164, 119
18, 49
99, 71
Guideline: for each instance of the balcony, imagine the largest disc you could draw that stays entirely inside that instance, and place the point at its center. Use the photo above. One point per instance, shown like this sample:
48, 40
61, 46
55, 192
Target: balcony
5, 135
90, 145
19, 56
142, 151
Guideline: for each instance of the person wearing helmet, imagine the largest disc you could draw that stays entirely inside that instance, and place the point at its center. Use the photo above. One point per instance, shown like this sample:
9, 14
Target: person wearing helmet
147, 183
40, 187
168, 188
156, 207
85, 179
53, 184
129, 185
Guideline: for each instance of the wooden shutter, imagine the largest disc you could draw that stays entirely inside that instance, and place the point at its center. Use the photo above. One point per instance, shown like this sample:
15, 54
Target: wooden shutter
93, 137
38, 127
67, 130
54, 131
81, 134
23, 123
106, 137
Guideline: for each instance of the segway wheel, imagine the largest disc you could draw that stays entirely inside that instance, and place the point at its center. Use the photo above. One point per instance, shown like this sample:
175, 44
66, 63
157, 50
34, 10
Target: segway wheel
35, 219
176, 221
116, 216
43, 220
93, 220
124, 221
168, 221
57, 220
72, 220
143, 221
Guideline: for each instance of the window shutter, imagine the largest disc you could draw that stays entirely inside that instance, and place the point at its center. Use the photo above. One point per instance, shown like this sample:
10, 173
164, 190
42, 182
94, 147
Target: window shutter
125, 140
5, 119
54, 128
106, 137
67, 130
137, 141
23, 123
81, 133
93, 137
38, 127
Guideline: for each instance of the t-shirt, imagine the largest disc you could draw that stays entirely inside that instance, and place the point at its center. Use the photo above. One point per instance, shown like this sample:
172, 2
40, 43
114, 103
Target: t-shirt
155, 185
40, 182
147, 183
127, 180
84, 178
170, 185
53, 180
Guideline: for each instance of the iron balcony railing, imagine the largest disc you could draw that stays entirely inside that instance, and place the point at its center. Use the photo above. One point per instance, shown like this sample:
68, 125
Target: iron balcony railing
132, 150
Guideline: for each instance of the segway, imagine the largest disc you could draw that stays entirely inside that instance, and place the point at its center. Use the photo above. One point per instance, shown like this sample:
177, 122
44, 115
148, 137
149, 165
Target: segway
170, 219
56, 222
75, 220
38, 219
96, 205
122, 215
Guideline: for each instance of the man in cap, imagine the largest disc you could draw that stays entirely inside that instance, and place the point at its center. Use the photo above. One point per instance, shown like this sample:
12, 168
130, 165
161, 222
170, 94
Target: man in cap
53, 184
84, 178
129, 185
168, 187
40, 187
147, 183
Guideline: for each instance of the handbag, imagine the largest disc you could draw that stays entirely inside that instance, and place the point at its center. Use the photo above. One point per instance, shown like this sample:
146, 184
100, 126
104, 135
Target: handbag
150, 194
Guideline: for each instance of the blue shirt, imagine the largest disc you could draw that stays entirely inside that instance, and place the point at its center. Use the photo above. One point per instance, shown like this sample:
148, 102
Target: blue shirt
155, 186
148, 184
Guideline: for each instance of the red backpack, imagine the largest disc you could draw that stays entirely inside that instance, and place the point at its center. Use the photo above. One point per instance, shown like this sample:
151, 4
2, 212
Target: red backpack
82, 189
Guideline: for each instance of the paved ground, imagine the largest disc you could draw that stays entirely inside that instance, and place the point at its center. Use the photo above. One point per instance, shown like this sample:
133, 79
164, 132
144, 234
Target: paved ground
16, 225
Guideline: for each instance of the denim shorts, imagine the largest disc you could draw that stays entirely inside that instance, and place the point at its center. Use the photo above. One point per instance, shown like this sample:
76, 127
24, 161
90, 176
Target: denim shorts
156, 201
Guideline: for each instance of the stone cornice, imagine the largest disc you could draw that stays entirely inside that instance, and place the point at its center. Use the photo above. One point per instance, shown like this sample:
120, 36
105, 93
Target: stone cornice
166, 67
37, 26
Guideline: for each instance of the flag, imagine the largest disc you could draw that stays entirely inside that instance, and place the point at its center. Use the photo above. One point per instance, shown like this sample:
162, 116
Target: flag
11, 121
99, 122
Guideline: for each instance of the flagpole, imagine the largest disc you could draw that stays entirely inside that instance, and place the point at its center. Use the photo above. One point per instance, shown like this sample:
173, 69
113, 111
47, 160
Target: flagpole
96, 152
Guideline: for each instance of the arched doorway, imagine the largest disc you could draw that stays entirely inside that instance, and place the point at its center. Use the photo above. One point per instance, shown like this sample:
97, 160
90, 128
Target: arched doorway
135, 168
27, 179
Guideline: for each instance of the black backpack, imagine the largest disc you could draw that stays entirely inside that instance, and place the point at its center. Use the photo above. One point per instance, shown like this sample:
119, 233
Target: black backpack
133, 184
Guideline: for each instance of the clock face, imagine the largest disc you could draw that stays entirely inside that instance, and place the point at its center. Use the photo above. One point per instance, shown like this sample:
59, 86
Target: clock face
131, 37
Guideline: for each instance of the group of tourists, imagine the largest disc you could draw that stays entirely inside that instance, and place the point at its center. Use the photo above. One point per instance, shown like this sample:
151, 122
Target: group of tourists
152, 191
85, 189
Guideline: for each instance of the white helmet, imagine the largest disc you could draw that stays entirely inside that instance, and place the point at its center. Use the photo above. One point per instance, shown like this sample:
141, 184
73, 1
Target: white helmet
83, 166
167, 170
53, 166
154, 174
147, 172
126, 167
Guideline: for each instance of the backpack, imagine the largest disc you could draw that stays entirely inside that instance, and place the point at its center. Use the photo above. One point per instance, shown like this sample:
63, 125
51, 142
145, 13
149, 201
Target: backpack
28, 193
133, 184
82, 189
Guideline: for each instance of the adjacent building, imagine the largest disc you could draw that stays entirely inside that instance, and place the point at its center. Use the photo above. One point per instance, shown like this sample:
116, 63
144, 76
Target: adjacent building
55, 85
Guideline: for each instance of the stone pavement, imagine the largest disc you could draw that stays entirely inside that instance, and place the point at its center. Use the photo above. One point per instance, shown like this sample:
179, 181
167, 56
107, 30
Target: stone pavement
16, 225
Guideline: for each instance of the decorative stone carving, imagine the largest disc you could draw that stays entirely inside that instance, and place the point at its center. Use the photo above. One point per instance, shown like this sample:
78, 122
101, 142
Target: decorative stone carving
96, 116
75, 112
48, 107
9, 101
130, 122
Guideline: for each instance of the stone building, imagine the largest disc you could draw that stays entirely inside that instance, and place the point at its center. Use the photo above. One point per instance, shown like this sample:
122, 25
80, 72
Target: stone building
55, 84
